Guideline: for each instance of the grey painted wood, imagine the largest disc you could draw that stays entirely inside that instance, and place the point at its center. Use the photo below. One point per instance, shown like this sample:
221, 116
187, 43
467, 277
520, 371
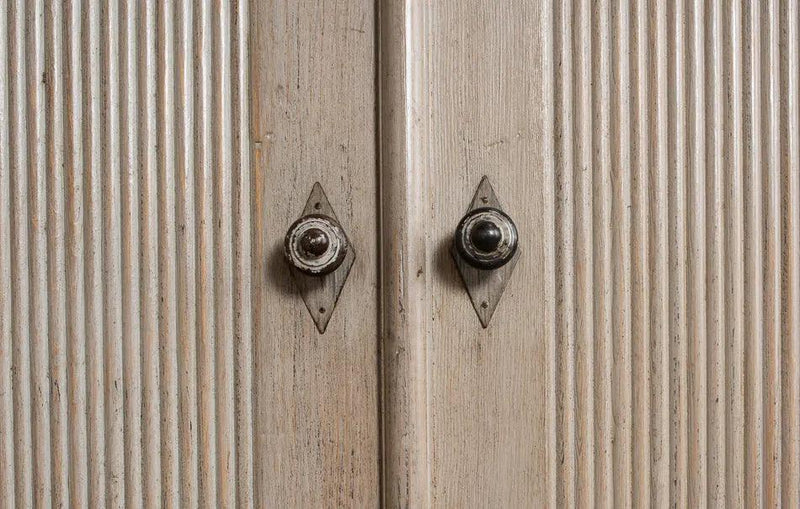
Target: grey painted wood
125, 326
153, 349
646, 349
320, 293
315, 397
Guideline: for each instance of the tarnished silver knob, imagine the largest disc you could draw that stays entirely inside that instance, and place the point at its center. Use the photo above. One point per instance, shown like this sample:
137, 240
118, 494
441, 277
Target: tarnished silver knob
316, 244
486, 238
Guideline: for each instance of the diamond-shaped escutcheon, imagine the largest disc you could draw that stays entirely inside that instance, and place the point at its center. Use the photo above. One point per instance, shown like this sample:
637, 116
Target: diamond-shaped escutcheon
320, 257
486, 285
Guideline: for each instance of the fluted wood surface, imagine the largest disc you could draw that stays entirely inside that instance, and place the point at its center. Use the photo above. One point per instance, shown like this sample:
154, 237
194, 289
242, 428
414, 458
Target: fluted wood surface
154, 351
677, 278
125, 317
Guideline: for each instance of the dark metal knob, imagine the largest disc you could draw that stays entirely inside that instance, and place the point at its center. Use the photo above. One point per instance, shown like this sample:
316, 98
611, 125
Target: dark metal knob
486, 238
316, 244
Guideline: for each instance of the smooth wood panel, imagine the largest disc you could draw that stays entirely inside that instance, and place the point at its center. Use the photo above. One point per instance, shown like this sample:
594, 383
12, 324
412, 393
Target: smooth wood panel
483, 108
462, 96
315, 397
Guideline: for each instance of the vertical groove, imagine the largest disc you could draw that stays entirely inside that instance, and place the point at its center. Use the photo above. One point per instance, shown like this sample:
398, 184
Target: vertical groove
753, 257
186, 282
56, 267
584, 263
167, 262
659, 251
771, 96
40, 386
112, 262
565, 253
243, 325
223, 275
550, 101
132, 353
621, 204
151, 353
7, 470
697, 416
94, 279
76, 338
715, 305
640, 246
734, 260
207, 470
677, 145
791, 285
603, 301
20, 269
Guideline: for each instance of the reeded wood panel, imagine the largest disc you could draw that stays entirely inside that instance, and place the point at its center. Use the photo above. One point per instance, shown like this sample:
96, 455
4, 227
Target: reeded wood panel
677, 238
125, 267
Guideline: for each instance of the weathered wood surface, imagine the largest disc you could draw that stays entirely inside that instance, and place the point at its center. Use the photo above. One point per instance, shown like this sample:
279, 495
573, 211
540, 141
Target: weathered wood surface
125, 314
470, 407
677, 235
315, 397
151, 348
647, 348
154, 350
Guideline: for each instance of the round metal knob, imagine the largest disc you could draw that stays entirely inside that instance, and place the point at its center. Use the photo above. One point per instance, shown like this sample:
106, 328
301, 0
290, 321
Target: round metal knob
316, 244
486, 238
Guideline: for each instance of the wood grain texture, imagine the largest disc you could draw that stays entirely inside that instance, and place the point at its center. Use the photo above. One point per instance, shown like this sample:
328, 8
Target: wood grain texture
315, 398
483, 109
98, 316
699, 125
405, 293
129, 330
645, 352
154, 351
466, 410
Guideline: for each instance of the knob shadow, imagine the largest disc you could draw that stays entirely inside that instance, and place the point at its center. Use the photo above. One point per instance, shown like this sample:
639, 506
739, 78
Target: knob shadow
278, 274
445, 266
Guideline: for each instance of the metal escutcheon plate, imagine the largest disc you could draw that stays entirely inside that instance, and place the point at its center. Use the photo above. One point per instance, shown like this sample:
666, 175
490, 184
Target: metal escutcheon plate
319, 274
486, 285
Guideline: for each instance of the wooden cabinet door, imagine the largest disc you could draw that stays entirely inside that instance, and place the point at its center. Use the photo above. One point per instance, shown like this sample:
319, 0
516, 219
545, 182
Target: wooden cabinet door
154, 349
647, 348
315, 396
